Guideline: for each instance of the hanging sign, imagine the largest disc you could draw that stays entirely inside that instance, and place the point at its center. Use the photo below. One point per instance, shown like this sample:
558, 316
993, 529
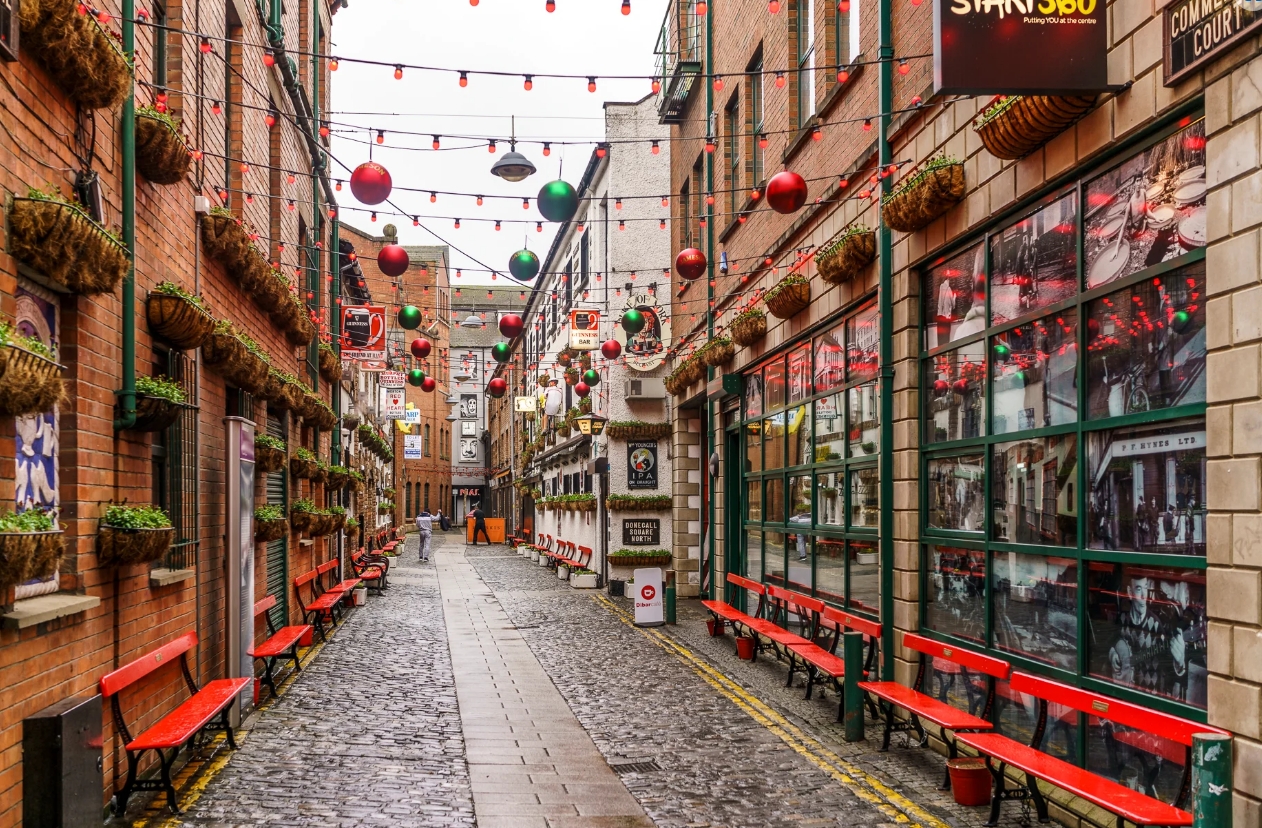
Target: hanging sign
412, 416
392, 379
412, 447
584, 329
524, 404
645, 350
364, 327
642, 464
394, 407
1195, 32
1020, 47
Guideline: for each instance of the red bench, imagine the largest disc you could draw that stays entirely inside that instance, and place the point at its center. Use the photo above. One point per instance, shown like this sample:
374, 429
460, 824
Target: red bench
323, 603
280, 643
371, 569
724, 613
172, 732
330, 568
1119, 800
824, 661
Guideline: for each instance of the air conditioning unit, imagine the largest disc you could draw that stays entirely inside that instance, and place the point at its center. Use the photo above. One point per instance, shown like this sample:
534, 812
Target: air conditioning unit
644, 389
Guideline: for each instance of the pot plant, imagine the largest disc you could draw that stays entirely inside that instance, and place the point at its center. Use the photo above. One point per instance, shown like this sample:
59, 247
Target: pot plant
133, 535
640, 557
303, 464
161, 154
1013, 126
85, 59
270, 523
269, 453
330, 363
30, 546
718, 351
925, 195
748, 327
177, 317
582, 579
236, 357
637, 503
159, 403
788, 296
846, 255
31, 382
58, 238
572, 376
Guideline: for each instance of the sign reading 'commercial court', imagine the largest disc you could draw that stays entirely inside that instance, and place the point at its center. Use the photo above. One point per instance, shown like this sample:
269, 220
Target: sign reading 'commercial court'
1197, 31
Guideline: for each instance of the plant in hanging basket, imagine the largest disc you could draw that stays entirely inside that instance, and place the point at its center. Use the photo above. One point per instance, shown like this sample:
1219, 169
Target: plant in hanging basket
563, 429
356, 480
177, 317
303, 464
271, 292
718, 351
336, 477
748, 327
235, 357
571, 376
304, 517
30, 546
544, 379
585, 361
640, 557
1014, 126
637, 503
83, 57
637, 430
161, 154
270, 523
227, 241
159, 403
925, 195
788, 297
31, 383
60, 240
295, 323
849, 252
330, 363
133, 535
269, 453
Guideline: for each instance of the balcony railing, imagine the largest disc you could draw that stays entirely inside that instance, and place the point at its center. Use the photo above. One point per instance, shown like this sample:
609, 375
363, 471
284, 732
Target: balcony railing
678, 58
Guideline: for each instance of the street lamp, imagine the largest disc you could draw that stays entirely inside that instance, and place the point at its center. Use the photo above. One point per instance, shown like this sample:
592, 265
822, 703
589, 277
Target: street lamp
513, 166
589, 424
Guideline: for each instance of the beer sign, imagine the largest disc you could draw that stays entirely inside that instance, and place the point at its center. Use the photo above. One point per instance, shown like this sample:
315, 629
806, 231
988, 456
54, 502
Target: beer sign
364, 332
584, 329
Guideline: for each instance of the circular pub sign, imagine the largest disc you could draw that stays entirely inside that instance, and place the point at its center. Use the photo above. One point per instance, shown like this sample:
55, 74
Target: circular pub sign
645, 350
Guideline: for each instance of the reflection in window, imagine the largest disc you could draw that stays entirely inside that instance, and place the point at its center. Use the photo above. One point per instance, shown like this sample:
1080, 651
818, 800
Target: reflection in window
773, 390
1140, 760
829, 429
773, 441
799, 379
1032, 491
773, 558
955, 297
799, 438
800, 499
773, 500
956, 496
1034, 368
830, 363
753, 491
1148, 488
863, 344
955, 394
800, 562
865, 487
865, 420
1034, 263
955, 598
830, 570
1016, 716
865, 577
1148, 629
753, 446
828, 499
1146, 345
753, 395
753, 555
1036, 607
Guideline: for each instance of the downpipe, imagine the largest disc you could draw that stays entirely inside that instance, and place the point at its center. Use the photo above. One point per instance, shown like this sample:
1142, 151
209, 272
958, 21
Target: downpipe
127, 394
886, 304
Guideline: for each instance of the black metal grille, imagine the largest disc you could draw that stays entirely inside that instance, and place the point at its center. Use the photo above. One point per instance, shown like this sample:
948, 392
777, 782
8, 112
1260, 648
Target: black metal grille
634, 765
278, 550
181, 467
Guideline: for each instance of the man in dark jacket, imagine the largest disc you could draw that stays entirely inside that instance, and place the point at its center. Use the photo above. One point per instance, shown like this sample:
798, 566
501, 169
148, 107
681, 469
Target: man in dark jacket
479, 524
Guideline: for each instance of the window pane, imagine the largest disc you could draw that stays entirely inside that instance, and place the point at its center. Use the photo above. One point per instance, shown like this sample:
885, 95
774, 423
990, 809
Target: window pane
830, 363
799, 442
955, 398
753, 558
1034, 263
956, 592
955, 298
1140, 760
865, 577
1034, 368
800, 562
1147, 210
753, 491
864, 493
1147, 345
1032, 485
753, 395
956, 496
828, 499
773, 501
865, 420
828, 429
800, 499
1148, 629
753, 447
1036, 607
830, 570
773, 561
799, 379
863, 344
773, 441
1148, 488
773, 390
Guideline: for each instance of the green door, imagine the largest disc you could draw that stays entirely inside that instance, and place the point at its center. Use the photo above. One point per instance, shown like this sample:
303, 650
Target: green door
277, 551
733, 484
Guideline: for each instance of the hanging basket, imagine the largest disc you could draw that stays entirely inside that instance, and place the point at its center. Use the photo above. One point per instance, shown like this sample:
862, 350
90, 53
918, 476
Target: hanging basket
846, 256
82, 57
638, 431
27, 555
226, 355
268, 459
31, 383
789, 297
161, 155
640, 560
748, 328
266, 531
226, 241
118, 546
177, 320
928, 195
330, 366
301, 468
571, 376
156, 413
1014, 127
335, 479
62, 242
305, 522
718, 352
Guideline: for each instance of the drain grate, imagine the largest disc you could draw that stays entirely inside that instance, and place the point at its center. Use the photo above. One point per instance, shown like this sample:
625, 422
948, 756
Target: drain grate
636, 766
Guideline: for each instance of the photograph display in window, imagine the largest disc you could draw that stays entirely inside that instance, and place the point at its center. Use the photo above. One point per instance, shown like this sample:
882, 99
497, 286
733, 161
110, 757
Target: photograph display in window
1148, 489
955, 394
957, 494
955, 294
1149, 209
753, 395
1036, 607
799, 373
1032, 491
1034, 374
863, 344
1034, 263
865, 420
1146, 345
1148, 629
955, 598
773, 385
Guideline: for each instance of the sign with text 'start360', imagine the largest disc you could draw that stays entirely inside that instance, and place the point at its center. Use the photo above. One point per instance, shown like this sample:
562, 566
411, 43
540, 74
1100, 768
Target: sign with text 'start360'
1019, 47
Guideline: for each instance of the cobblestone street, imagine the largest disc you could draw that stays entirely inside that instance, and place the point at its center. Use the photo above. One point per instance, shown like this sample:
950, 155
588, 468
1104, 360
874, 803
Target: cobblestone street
483, 690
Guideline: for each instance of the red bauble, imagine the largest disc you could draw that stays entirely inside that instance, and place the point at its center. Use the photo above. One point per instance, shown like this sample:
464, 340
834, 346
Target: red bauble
960, 386
941, 386
393, 260
511, 326
690, 263
428, 385
497, 387
786, 192
582, 389
611, 349
420, 347
371, 183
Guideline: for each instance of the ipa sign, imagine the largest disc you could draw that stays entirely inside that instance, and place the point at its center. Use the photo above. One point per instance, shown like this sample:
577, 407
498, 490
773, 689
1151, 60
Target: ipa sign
642, 532
642, 464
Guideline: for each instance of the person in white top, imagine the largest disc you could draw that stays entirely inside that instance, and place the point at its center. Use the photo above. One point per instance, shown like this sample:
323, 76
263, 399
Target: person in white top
425, 526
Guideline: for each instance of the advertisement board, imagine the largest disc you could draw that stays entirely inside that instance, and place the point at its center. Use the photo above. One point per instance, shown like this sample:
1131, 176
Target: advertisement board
364, 327
647, 594
642, 464
392, 379
584, 329
412, 447
412, 416
394, 404
645, 350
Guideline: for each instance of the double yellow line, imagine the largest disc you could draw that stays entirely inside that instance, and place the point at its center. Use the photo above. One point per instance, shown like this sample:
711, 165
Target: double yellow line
868, 788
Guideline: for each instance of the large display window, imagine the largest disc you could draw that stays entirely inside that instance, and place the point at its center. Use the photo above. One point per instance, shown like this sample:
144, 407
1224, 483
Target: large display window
1063, 464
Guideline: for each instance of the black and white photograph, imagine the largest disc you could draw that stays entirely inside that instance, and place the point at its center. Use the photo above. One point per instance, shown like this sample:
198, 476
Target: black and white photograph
1148, 210
469, 406
753, 394
468, 450
1036, 607
955, 298
1034, 372
957, 496
799, 379
1032, 485
955, 592
1034, 262
955, 394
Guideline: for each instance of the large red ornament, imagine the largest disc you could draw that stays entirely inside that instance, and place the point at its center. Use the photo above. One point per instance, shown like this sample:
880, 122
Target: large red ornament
497, 387
960, 386
611, 349
428, 385
690, 263
582, 389
512, 325
786, 192
393, 260
371, 183
420, 347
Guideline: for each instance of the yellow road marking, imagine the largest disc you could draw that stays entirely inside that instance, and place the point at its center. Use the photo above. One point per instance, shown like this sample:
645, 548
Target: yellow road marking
862, 784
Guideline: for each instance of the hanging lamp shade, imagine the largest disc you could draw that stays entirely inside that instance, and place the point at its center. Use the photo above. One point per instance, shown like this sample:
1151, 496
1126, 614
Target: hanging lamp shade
513, 166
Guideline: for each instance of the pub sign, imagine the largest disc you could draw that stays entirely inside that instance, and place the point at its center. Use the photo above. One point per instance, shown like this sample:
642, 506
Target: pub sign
642, 464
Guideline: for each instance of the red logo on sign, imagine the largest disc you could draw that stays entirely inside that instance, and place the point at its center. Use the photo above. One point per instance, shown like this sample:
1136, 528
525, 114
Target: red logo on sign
648, 592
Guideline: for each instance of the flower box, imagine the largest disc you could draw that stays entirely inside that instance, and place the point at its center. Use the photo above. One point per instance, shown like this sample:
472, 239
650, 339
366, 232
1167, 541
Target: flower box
646, 558
82, 56
925, 196
62, 242
718, 351
268, 459
303, 468
583, 580
634, 430
748, 327
178, 320
534, 554
1014, 127
266, 531
27, 555
846, 255
634, 503
31, 383
161, 154
120, 546
156, 413
788, 297
563, 572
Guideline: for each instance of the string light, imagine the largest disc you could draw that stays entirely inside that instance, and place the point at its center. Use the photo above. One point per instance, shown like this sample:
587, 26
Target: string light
591, 84
817, 134
600, 151
437, 144
547, 149
657, 86
215, 108
702, 7
617, 204
626, 7
528, 84
490, 146
842, 76
539, 227
867, 124
656, 148
457, 224
903, 68
709, 144
773, 6
718, 83
550, 6
525, 204
464, 79
779, 80
381, 136
205, 46
324, 129
332, 64
398, 71
479, 201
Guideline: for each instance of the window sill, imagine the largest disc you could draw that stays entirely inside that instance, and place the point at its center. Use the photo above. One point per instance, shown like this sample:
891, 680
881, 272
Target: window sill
44, 608
167, 577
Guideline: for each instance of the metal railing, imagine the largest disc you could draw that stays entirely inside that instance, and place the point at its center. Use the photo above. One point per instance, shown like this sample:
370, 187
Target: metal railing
678, 56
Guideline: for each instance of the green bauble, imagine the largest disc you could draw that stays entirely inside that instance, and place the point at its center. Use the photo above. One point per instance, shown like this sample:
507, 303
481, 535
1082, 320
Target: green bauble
633, 321
592, 377
415, 377
410, 317
558, 201
502, 352
524, 265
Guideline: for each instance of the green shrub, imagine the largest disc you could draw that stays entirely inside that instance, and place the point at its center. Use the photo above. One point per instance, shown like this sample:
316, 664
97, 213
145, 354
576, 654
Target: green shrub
136, 517
32, 520
160, 387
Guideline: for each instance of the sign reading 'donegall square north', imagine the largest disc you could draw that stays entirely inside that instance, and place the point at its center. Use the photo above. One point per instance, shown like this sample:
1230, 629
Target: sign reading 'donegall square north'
1019, 47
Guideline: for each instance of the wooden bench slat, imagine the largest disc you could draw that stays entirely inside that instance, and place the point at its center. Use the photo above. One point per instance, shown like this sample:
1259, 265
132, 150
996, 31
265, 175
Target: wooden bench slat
178, 726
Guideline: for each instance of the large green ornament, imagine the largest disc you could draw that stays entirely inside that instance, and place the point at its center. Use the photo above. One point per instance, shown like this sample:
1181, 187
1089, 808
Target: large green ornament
415, 377
558, 201
592, 377
633, 321
502, 352
410, 317
524, 265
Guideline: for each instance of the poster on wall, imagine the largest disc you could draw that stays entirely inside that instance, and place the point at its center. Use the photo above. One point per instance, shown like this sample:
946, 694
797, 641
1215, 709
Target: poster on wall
642, 464
364, 327
469, 406
412, 447
468, 450
584, 329
1019, 47
645, 350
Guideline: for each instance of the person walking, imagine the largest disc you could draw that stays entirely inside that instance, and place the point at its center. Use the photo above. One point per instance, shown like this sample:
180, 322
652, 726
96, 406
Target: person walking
443, 522
425, 526
479, 524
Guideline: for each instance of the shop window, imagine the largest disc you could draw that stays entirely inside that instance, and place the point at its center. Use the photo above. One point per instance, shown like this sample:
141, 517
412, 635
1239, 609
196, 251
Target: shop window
830, 570
799, 569
798, 381
798, 437
773, 385
37, 437
159, 16
800, 499
773, 441
1034, 374
773, 557
830, 499
864, 577
1031, 491
864, 498
773, 500
865, 420
955, 592
954, 398
753, 395
1034, 262
830, 360
863, 345
753, 500
732, 125
1036, 607
955, 294
803, 32
829, 429
755, 84
956, 493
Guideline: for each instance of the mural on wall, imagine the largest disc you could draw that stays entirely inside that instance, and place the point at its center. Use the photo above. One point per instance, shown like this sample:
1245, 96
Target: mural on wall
645, 350
37, 436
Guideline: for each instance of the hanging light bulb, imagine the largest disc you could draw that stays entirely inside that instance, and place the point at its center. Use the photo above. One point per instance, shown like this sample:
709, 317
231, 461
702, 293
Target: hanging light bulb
903, 67
773, 6
216, 108
436, 143
842, 76
490, 146
381, 136
547, 149
525, 204
657, 86
291, 209
718, 83
538, 226
702, 7
665, 201
710, 146
709, 199
398, 71
416, 221
662, 224
337, 185
245, 168
249, 198
617, 204
591, 84
600, 151
626, 7
464, 79
817, 134
867, 124
433, 197
655, 148
528, 83
457, 224
497, 226
550, 6
479, 201
205, 46
622, 225
780, 80
332, 64
580, 228
270, 119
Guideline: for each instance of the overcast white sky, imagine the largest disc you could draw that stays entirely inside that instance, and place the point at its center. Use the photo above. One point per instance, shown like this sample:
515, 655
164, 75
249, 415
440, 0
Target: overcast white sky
586, 37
